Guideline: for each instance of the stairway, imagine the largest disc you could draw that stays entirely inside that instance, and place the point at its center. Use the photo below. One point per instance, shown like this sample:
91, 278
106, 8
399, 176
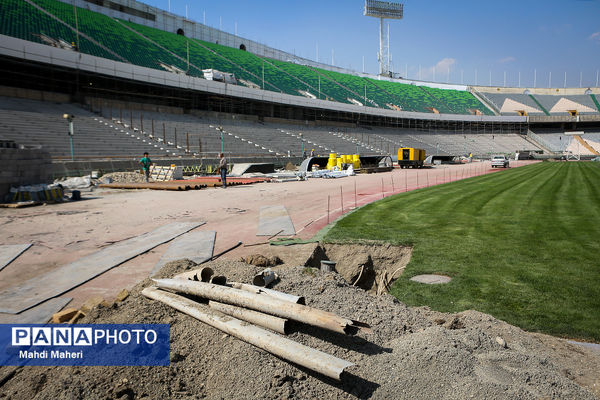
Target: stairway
586, 145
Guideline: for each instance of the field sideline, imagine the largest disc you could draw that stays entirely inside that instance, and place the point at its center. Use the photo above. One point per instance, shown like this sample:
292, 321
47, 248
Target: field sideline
522, 245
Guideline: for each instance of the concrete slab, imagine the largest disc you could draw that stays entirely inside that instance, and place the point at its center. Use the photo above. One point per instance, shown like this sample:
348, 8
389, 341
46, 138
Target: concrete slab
39, 314
431, 279
56, 282
273, 219
592, 346
8, 252
243, 168
195, 246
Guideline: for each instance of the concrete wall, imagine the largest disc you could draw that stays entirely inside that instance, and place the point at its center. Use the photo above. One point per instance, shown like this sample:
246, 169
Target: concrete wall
23, 167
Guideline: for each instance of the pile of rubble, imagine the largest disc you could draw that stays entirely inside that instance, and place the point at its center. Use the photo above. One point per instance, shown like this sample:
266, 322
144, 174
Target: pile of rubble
409, 352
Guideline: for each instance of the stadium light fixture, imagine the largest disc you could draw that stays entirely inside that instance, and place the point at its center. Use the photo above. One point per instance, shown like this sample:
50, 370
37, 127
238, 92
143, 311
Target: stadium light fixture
383, 10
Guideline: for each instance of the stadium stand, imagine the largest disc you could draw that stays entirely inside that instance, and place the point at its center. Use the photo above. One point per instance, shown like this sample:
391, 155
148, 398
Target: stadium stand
565, 105
22, 20
37, 123
122, 40
113, 35
507, 103
554, 140
459, 101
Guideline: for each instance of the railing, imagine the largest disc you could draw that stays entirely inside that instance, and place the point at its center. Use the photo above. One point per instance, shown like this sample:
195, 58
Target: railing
542, 142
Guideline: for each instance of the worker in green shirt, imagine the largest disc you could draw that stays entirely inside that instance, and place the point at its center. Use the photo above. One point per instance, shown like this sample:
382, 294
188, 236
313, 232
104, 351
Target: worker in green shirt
146, 163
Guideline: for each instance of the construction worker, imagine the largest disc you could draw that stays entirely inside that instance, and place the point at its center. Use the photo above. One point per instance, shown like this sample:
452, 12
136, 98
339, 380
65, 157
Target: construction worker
312, 153
223, 169
146, 162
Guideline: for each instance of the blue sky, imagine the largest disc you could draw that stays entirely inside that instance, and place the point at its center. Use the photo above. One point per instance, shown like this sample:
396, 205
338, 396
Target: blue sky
459, 38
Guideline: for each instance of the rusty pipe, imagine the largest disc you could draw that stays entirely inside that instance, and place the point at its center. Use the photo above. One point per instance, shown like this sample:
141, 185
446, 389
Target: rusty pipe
287, 349
275, 324
266, 304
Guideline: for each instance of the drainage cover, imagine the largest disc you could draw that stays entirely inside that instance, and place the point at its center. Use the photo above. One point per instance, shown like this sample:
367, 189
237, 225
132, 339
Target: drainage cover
431, 279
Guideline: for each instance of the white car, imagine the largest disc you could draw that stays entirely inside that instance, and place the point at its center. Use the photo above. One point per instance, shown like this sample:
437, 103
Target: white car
499, 161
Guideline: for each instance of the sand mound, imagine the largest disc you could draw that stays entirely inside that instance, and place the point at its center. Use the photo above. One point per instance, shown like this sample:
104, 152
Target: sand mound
412, 353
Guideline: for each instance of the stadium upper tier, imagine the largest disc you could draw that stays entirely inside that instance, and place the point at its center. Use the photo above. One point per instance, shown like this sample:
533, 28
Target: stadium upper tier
53, 22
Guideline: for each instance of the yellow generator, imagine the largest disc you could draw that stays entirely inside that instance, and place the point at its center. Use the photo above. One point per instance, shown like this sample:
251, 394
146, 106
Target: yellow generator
409, 157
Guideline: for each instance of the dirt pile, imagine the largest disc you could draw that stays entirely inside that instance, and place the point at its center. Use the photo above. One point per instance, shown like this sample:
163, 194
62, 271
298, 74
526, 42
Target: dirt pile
412, 353
124, 177
370, 266
259, 260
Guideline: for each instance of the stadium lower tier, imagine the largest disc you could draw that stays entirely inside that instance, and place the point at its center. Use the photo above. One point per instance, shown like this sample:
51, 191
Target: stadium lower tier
107, 131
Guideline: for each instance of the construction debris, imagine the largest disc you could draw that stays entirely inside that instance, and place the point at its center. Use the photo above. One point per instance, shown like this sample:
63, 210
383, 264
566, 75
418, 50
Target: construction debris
287, 349
269, 305
261, 261
275, 324
265, 278
123, 294
397, 360
64, 315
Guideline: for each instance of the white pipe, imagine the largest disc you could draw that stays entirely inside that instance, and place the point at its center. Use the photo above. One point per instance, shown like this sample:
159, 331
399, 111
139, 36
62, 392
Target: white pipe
270, 292
297, 353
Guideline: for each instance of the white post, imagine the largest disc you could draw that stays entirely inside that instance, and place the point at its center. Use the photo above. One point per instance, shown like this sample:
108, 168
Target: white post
534, 78
388, 48
504, 78
380, 46
204, 17
220, 23
186, 11
490, 77
565, 83
597, 78
169, 5
550, 80
519, 79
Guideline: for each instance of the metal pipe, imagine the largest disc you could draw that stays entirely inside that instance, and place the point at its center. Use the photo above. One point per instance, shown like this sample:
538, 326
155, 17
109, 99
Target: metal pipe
269, 292
287, 349
275, 324
264, 278
218, 280
266, 304
152, 185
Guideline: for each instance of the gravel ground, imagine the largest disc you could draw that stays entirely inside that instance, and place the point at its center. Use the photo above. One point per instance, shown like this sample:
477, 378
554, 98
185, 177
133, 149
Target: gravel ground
412, 353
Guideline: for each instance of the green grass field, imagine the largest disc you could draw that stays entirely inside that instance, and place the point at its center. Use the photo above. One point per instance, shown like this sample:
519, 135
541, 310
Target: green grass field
522, 245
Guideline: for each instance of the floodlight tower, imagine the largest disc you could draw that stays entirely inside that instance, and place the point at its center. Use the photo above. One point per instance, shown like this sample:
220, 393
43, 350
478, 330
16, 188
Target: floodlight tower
383, 10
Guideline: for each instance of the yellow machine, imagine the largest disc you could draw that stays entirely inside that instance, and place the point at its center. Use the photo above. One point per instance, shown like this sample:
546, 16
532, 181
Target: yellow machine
409, 157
